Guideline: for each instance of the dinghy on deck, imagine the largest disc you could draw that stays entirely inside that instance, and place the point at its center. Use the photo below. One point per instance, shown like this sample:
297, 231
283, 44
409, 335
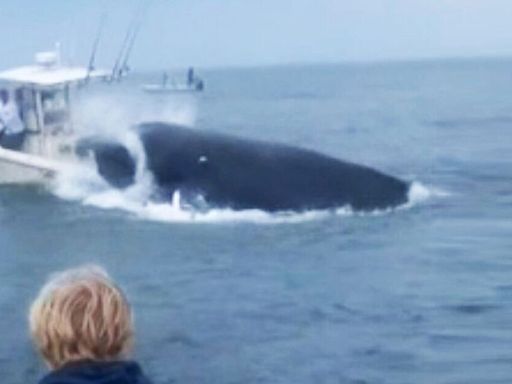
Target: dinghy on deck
43, 93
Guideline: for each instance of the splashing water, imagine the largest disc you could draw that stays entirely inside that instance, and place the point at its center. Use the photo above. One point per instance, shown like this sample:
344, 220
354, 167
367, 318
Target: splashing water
112, 117
90, 189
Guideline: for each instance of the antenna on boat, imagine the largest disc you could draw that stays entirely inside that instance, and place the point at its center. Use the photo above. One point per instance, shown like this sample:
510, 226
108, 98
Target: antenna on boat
121, 63
92, 58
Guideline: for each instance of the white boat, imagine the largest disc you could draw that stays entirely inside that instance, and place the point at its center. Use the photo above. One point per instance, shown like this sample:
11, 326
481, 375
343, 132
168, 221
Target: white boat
193, 84
43, 93
171, 88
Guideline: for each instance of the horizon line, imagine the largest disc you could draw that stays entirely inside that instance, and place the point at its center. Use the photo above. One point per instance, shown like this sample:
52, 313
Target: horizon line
349, 62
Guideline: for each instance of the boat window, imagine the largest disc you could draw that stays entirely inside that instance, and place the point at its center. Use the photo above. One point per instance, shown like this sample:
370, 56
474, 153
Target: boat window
24, 100
53, 100
26, 105
54, 107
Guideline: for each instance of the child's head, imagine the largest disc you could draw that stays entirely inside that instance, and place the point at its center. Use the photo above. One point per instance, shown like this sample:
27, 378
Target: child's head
80, 314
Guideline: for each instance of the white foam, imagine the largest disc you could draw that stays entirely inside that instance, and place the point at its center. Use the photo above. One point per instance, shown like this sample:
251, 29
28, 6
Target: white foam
91, 190
107, 114
76, 183
419, 193
87, 187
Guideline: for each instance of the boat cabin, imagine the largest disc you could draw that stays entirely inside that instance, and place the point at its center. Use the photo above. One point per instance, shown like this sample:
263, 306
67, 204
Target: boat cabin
42, 93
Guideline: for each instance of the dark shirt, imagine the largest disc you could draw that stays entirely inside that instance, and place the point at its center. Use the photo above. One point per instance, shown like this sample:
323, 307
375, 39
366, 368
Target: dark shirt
91, 372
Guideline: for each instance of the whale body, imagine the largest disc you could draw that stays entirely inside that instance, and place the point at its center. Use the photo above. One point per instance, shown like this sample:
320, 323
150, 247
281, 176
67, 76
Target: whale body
237, 173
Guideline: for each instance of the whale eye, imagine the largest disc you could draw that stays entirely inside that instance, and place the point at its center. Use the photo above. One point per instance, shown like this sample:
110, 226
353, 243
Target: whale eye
202, 160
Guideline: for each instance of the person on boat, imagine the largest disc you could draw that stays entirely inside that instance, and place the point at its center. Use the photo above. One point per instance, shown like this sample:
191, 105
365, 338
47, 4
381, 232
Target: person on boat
199, 85
82, 325
190, 77
12, 130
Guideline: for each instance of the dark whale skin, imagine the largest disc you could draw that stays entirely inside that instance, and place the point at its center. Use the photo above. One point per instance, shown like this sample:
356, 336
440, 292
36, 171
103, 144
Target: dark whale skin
237, 173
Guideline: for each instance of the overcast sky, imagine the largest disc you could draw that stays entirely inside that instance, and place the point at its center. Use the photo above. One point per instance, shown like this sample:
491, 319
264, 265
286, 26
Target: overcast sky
217, 33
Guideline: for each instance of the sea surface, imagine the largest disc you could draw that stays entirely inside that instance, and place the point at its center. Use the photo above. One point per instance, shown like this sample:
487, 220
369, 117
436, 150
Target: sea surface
420, 294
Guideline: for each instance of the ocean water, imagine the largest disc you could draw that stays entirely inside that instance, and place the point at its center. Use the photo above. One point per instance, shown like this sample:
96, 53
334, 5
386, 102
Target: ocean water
421, 294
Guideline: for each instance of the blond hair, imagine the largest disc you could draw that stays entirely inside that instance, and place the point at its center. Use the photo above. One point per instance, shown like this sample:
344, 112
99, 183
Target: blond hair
80, 314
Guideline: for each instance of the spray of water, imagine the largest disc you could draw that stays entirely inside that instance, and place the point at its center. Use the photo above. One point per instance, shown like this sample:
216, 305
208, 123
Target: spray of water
109, 117
112, 114
89, 189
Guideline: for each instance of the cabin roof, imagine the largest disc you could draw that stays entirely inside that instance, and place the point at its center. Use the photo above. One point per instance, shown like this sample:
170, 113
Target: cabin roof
44, 76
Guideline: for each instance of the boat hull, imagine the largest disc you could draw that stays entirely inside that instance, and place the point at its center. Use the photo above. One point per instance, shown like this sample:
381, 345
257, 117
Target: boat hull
28, 166
155, 88
12, 173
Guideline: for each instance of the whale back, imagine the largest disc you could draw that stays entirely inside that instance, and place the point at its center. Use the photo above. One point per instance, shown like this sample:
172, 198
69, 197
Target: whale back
239, 173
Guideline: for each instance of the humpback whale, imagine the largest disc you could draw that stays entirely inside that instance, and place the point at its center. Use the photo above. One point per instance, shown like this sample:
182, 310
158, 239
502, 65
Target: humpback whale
231, 172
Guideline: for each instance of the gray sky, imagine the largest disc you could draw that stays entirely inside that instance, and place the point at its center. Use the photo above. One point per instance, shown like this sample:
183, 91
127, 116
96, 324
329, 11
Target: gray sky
221, 33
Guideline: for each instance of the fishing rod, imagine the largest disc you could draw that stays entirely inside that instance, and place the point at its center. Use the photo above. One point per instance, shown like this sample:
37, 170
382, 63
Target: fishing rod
121, 51
124, 67
92, 58
121, 63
